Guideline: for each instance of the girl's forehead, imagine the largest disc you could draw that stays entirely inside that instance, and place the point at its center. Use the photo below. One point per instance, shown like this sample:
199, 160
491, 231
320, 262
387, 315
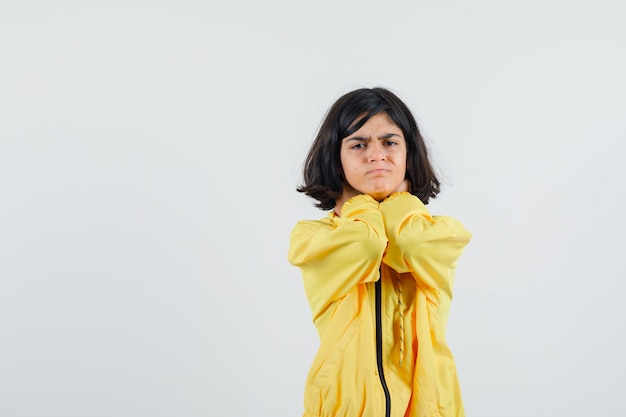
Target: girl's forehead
382, 120
369, 116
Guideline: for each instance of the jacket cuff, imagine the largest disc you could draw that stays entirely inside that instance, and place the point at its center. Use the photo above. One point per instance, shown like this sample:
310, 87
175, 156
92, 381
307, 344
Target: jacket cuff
358, 201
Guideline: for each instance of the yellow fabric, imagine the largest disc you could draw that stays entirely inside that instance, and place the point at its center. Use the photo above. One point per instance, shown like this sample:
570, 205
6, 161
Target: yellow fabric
340, 259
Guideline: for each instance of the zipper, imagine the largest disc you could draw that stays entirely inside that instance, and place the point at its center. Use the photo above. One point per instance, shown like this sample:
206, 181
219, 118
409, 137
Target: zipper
379, 342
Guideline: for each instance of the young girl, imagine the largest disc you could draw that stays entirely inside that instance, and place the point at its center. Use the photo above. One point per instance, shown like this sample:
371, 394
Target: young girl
378, 269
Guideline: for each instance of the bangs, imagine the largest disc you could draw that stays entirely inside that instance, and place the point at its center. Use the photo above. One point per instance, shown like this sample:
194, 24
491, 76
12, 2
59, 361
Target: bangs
359, 120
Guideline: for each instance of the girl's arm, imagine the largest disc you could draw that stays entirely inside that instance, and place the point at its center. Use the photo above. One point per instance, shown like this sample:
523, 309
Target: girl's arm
428, 247
337, 253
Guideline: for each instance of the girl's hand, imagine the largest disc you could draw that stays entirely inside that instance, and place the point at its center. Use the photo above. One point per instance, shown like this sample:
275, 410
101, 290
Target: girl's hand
348, 193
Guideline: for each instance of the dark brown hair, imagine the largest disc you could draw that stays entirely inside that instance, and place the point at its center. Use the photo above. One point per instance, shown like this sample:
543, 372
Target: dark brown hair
323, 173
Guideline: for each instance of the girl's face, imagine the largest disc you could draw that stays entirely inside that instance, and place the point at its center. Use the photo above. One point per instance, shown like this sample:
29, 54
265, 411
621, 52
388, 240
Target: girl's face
374, 157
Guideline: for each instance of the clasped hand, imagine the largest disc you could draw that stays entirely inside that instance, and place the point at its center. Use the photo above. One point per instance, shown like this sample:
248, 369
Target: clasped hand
349, 192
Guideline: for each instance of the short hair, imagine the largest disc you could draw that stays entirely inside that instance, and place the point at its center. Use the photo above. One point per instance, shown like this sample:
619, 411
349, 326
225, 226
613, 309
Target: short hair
323, 173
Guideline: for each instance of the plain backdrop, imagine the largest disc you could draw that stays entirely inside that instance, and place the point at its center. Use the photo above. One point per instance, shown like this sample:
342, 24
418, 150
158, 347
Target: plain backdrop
149, 155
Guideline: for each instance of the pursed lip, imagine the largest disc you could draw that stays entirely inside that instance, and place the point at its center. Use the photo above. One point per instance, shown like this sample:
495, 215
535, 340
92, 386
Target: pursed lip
378, 171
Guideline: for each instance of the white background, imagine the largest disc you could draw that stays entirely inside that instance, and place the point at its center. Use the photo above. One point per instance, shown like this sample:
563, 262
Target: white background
149, 154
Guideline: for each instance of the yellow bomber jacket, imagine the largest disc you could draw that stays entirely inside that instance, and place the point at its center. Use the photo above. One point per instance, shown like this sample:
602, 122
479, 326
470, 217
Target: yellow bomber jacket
379, 283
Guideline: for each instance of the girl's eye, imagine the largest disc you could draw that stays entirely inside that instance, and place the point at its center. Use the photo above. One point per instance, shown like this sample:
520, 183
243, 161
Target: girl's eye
357, 146
390, 143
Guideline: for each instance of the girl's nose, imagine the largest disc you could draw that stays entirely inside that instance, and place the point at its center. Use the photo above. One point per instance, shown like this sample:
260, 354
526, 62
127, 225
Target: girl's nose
376, 153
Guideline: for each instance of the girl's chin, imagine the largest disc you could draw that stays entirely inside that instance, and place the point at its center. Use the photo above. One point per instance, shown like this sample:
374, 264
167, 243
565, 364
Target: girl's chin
379, 195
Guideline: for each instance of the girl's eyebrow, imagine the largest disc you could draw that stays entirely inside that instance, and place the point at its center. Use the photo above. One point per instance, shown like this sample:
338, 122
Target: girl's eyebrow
363, 138
389, 135
357, 138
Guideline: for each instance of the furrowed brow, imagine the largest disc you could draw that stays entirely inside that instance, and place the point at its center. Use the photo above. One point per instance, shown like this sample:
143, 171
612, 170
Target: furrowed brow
389, 136
357, 138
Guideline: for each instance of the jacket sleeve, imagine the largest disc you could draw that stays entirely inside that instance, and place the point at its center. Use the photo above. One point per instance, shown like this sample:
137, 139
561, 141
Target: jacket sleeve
337, 253
428, 247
